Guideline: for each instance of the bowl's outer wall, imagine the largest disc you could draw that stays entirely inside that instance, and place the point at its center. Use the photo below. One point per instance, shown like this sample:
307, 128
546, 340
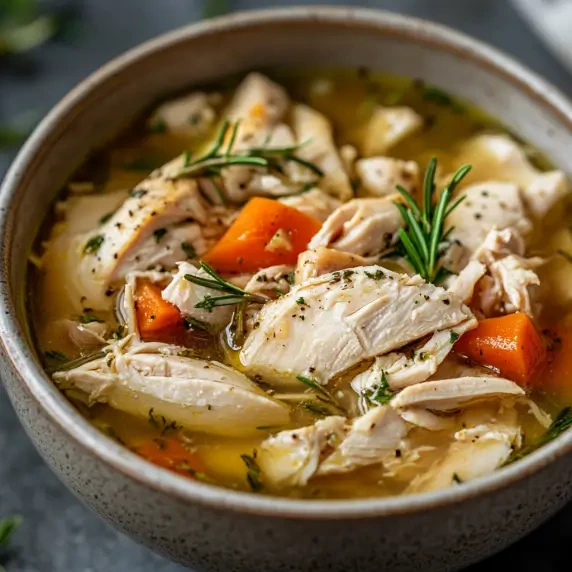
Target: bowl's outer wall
442, 538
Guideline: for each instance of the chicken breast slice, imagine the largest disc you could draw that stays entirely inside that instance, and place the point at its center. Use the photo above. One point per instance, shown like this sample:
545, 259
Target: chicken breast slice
312, 263
157, 379
315, 203
191, 115
330, 446
272, 279
508, 283
402, 369
328, 324
487, 205
314, 132
367, 442
291, 458
489, 437
379, 176
451, 394
387, 127
365, 227
500, 158
185, 295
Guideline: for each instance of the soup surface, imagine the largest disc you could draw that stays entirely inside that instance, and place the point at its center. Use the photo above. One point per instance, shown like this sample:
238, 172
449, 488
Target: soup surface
318, 284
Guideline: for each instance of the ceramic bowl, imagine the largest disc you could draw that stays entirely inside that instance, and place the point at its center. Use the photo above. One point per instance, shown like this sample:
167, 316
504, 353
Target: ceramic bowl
212, 528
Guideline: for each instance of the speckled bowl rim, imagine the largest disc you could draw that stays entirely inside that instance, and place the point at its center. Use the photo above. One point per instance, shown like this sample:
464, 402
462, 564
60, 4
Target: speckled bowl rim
20, 357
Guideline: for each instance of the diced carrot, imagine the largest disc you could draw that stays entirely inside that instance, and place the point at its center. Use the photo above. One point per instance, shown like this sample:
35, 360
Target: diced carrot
510, 344
557, 379
170, 454
155, 315
265, 233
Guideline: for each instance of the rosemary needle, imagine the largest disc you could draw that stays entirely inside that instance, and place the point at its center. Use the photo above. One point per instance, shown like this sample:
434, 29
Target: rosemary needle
424, 232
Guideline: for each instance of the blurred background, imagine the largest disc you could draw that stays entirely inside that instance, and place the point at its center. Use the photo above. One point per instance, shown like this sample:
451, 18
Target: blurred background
47, 47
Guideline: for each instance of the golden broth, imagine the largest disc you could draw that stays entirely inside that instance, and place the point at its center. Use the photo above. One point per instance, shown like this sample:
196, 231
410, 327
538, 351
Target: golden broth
347, 98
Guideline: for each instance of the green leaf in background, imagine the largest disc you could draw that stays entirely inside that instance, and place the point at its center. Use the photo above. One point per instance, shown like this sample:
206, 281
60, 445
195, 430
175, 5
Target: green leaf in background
214, 8
7, 528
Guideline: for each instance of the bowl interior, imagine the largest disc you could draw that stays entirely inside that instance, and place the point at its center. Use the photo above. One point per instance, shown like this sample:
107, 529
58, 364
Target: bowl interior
113, 97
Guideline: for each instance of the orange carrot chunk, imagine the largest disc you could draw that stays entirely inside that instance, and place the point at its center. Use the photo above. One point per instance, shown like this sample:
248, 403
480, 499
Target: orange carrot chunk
154, 315
510, 344
170, 454
265, 233
558, 376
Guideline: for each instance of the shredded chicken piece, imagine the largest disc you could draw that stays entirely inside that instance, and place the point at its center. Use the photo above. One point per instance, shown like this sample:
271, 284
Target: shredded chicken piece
312, 263
314, 202
380, 175
365, 227
387, 127
328, 324
153, 380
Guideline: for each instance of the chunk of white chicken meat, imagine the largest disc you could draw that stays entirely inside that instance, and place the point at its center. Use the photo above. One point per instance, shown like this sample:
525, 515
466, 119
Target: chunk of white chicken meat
404, 368
314, 202
190, 115
507, 283
332, 445
452, 394
314, 134
64, 253
271, 280
500, 158
328, 324
365, 227
186, 295
259, 105
487, 205
489, 436
149, 229
322, 260
387, 127
379, 176
197, 395
85, 337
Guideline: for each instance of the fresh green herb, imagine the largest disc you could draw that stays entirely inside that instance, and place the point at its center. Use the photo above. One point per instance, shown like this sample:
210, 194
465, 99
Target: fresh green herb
214, 8
454, 336
310, 383
457, 479
93, 244
159, 234
8, 526
301, 302
377, 275
253, 472
188, 250
315, 408
137, 193
160, 422
565, 255
278, 293
56, 356
562, 422
233, 294
439, 97
105, 218
158, 126
323, 393
291, 278
424, 234
194, 323
382, 394
88, 318
213, 161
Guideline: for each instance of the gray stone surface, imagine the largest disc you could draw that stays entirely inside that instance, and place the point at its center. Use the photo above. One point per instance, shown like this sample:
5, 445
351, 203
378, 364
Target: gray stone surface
59, 534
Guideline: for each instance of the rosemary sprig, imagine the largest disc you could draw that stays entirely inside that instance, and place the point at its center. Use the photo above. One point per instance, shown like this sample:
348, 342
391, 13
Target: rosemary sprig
232, 294
424, 235
7, 528
215, 159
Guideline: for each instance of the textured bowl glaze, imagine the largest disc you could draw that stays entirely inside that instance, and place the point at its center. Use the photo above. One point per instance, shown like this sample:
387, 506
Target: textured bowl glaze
222, 530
